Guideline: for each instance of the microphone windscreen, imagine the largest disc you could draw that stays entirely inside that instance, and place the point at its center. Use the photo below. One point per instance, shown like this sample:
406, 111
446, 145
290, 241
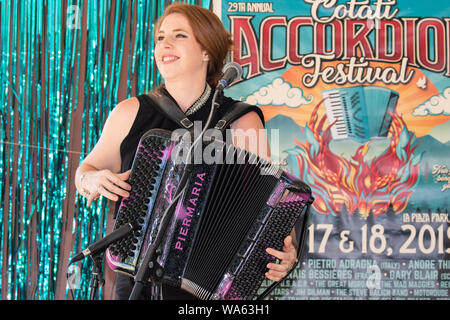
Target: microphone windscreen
236, 66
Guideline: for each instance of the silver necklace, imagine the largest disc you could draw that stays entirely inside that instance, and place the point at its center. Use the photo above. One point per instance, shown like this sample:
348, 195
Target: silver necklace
200, 101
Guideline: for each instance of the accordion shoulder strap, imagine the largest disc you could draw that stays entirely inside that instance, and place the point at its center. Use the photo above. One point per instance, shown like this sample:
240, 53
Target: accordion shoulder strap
168, 107
233, 112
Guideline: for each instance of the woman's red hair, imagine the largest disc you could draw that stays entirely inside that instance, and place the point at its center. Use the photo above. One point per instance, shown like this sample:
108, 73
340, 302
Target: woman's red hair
209, 33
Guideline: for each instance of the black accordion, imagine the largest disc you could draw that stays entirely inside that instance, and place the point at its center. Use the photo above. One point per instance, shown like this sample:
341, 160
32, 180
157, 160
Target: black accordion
224, 218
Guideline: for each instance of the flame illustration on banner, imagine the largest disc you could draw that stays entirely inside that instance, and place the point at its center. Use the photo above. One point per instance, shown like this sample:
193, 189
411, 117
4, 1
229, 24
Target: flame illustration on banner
360, 185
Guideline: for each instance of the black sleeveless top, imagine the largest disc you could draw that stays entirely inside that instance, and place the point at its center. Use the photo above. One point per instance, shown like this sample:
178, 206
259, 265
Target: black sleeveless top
150, 117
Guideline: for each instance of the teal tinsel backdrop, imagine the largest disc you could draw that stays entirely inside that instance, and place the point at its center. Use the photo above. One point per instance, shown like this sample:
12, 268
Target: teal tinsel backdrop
64, 66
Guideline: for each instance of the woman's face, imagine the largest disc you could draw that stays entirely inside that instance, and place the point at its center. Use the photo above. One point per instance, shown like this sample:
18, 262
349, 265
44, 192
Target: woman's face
178, 54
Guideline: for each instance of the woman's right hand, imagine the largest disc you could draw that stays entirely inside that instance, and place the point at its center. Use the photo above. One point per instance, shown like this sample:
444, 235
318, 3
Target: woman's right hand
105, 183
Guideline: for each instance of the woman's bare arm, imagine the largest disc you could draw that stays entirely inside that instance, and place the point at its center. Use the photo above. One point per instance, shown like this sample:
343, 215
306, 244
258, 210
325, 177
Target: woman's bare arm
98, 174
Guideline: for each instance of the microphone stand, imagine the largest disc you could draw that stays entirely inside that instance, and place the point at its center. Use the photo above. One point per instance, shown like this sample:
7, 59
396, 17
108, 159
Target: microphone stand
96, 279
150, 268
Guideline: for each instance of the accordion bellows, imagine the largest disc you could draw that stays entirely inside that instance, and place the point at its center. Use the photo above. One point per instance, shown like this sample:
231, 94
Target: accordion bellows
227, 215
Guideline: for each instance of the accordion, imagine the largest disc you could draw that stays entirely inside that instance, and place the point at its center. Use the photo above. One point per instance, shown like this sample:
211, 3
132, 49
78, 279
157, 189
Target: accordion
224, 218
360, 113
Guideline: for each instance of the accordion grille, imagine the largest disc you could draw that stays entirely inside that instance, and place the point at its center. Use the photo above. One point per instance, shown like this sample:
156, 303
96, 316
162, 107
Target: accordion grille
232, 207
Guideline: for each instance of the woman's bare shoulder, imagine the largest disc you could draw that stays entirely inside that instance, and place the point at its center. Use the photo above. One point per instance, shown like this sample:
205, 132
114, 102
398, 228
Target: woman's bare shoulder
250, 120
121, 118
106, 152
129, 106
123, 114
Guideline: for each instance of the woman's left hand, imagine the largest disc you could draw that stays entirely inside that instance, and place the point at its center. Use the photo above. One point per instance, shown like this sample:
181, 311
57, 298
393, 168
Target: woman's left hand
288, 258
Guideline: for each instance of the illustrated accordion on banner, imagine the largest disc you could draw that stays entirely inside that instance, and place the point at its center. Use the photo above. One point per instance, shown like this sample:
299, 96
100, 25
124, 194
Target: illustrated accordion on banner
227, 215
360, 113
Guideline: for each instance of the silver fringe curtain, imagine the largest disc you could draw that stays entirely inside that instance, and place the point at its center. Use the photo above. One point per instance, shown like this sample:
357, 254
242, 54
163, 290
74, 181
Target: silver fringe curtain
64, 66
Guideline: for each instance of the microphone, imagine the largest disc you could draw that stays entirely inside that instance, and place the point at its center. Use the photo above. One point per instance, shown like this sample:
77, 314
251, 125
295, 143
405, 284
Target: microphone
231, 72
102, 244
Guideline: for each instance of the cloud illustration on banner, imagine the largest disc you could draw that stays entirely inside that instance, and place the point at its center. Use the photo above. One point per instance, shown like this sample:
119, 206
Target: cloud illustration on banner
279, 93
436, 105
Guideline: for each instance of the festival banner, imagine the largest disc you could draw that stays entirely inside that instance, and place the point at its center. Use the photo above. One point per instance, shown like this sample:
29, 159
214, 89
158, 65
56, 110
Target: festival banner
356, 98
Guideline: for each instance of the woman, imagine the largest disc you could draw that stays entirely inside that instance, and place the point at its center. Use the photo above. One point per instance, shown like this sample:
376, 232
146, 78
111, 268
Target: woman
191, 46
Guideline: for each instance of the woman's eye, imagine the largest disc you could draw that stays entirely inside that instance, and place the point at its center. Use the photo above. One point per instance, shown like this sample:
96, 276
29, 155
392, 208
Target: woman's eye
181, 35
159, 38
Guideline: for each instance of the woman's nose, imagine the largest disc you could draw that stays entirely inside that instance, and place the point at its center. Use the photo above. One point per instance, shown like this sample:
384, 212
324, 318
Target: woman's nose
166, 42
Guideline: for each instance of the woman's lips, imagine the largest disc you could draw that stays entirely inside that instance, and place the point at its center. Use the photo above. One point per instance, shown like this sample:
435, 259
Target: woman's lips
169, 59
